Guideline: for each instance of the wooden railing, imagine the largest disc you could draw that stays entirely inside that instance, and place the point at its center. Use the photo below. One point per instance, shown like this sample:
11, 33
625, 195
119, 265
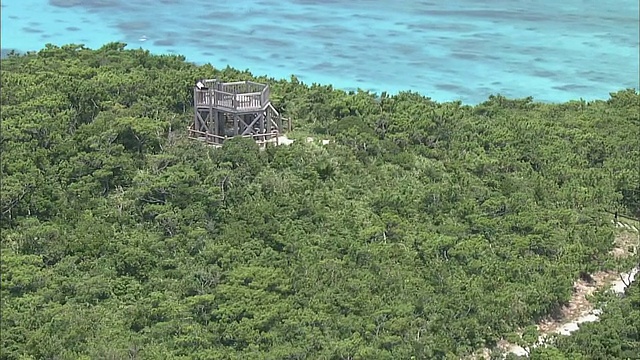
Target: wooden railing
243, 95
212, 139
285, 123
209, 138
240, 87
248, 101
264, 95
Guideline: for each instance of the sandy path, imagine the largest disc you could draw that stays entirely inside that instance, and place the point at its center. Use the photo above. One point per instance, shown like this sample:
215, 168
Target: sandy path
579, 310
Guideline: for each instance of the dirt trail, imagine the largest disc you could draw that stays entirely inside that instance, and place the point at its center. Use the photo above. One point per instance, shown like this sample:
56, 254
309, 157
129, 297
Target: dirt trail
579, 310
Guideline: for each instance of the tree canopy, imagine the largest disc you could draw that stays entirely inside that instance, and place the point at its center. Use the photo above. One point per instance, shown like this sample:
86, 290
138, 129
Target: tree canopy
424, 230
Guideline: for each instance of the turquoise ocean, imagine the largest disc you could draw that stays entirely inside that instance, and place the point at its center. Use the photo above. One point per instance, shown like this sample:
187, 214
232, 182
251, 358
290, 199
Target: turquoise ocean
448, 50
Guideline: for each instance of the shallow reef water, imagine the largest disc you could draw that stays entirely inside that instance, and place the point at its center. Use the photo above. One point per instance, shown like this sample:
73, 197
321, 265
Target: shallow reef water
464, 50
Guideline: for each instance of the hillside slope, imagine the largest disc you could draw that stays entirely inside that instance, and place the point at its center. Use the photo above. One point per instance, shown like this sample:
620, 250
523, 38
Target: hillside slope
426, 230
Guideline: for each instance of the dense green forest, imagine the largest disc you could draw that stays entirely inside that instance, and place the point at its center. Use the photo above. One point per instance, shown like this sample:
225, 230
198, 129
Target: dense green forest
425, 230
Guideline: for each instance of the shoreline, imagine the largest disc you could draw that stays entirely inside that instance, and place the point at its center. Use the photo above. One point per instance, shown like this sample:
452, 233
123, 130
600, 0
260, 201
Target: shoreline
303, 79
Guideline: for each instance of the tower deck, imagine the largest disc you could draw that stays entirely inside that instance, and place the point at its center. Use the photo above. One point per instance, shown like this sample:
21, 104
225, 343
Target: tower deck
241, 96
243, 108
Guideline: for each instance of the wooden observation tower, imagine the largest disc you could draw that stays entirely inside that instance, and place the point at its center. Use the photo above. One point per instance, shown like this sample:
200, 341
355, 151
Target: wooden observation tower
225, 110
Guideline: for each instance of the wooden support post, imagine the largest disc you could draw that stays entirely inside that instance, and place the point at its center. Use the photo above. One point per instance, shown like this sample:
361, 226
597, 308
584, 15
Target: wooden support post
195, 110
217, 123
210, 117
265, 125
235, 124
